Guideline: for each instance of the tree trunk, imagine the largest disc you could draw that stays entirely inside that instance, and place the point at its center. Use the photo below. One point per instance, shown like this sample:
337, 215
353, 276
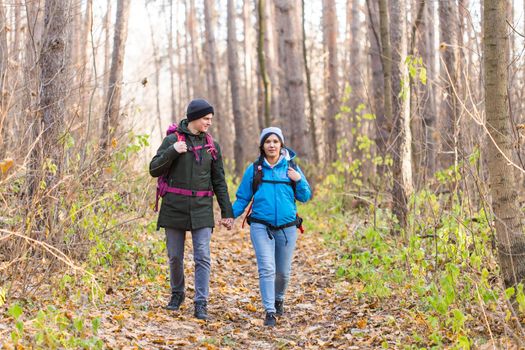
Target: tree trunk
271, 59
428, 53
331, 78
508, 217
377, 104
54, 62
221, 120
355, 79
187, 60
401, 150
173, 103
4, 68
233, 75
30, 104
386, 53
311, 115
107, 46
248, 104
417, 90
198, 84
157, 63
378, 88
249, 71
262, 63
448, 24
288, 24
111, 115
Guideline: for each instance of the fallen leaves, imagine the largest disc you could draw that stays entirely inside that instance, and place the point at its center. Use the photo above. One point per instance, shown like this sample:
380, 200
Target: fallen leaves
6, 164
320, 311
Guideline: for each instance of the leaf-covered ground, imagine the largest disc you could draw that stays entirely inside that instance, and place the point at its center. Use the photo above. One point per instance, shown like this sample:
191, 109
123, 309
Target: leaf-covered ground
320, 312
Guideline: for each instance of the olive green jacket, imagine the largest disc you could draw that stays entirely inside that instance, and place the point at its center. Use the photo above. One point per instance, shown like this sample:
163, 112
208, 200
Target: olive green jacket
186, 212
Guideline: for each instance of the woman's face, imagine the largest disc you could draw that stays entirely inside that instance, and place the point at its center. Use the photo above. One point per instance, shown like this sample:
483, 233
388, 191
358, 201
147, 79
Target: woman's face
272, 146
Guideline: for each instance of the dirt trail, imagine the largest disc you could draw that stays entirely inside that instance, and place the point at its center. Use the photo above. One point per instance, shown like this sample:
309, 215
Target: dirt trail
320, 313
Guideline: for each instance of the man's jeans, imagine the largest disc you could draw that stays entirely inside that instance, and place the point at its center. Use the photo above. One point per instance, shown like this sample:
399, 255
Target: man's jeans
274, 261
201, 256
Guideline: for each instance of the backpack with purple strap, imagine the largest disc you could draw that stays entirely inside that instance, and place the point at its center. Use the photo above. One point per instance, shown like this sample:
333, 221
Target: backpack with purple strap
162, 181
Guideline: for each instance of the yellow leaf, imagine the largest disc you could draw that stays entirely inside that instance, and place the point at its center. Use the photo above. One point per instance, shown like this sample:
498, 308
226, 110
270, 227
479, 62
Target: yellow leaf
118, 317
114, 143
161, 278
6, 164
251, 307
361, 323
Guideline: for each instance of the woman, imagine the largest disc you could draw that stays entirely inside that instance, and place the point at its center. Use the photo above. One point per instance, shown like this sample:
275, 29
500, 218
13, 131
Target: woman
274, 183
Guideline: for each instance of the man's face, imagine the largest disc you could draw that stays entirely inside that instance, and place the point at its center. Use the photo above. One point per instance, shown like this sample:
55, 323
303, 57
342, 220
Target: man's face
203, 124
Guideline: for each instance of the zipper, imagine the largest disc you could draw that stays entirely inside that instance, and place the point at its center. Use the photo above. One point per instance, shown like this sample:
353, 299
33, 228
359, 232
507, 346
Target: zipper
274, 195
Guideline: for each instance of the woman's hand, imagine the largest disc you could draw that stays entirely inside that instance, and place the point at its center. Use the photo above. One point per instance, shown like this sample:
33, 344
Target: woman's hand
293, 174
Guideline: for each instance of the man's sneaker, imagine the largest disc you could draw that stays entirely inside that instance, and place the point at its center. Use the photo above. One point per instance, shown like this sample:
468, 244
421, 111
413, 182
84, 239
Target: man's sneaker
270, 319
279, 307
201, 310
176, 300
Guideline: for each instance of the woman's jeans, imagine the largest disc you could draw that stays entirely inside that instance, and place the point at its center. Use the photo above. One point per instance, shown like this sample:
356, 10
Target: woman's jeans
201, 256
274, 261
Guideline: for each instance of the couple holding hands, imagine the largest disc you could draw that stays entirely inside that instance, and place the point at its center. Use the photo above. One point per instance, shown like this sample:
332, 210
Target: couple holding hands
190, 165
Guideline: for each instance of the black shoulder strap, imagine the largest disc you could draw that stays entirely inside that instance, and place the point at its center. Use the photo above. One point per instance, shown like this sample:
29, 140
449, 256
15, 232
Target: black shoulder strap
294, 167
257, 174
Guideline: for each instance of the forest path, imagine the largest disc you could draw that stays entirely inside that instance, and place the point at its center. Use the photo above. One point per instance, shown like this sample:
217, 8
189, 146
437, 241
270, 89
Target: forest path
320, 312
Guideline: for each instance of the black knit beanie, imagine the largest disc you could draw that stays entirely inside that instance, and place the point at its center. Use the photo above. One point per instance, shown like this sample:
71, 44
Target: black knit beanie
198, 108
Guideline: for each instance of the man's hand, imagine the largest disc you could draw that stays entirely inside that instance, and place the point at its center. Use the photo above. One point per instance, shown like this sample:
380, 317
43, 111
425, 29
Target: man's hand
227, 222
180, 146
293, 174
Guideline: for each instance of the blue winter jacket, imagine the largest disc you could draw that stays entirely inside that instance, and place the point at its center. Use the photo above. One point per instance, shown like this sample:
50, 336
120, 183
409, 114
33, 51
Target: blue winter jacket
273, 203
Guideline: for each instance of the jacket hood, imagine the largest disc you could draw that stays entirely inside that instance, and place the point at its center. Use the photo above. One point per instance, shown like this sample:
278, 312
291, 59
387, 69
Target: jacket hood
183, 127
286, 154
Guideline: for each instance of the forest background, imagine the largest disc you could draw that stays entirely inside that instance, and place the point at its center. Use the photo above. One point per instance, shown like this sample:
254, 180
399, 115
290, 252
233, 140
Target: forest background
408, 119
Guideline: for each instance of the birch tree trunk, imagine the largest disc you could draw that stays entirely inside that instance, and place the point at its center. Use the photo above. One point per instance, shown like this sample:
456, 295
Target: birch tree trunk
331, 78
233, 75
112, 110
262, 59
288, 17
508, 217
401, 150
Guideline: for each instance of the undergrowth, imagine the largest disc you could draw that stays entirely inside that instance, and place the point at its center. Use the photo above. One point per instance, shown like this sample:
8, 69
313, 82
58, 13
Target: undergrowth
442, 268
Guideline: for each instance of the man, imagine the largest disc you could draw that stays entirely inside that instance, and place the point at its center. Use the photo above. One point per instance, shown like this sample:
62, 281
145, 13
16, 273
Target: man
192, 165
